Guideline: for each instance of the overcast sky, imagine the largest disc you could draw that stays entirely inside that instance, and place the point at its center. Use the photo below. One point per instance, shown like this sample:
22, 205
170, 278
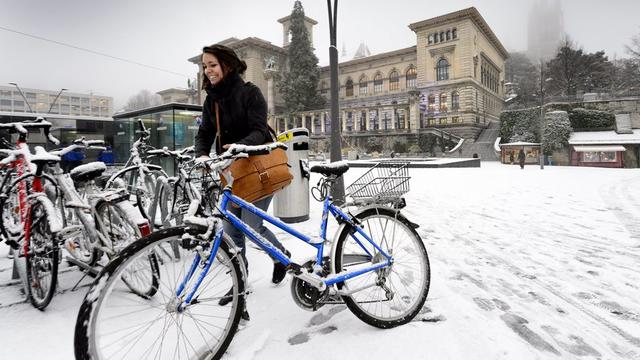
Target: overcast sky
165, 33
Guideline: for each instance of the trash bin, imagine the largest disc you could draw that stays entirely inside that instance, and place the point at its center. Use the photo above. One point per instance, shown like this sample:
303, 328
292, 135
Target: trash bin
291, 204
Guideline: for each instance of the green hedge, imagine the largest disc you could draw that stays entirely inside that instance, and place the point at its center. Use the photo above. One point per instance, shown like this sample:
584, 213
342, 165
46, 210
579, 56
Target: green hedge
583, 119
520, 123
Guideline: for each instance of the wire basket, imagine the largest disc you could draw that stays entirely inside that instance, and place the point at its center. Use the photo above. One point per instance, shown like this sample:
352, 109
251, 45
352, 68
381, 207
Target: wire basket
386, 182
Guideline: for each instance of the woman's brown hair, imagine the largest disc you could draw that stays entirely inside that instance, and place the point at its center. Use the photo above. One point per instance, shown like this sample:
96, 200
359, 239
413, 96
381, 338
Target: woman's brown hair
229, 61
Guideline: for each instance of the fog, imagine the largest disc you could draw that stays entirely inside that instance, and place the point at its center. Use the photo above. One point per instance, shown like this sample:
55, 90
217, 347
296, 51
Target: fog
162, 35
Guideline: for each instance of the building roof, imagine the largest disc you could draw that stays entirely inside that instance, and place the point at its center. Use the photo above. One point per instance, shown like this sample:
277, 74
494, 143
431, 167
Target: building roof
411, 49
604, 137
520, 143
468, 13
29, 115
307, 19
157, 108
236, 44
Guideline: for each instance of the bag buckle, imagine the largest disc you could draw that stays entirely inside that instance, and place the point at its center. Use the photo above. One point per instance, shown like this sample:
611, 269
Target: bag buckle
264, 177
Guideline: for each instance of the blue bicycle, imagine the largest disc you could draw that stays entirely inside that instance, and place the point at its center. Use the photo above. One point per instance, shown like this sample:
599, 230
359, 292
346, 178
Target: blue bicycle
377, 265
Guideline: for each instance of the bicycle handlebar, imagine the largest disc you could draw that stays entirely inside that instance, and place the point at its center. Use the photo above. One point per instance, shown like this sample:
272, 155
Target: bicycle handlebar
38, 123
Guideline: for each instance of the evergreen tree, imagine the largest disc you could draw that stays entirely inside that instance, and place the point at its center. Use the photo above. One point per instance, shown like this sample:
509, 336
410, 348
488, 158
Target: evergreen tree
523, 76
572, 70
298, 83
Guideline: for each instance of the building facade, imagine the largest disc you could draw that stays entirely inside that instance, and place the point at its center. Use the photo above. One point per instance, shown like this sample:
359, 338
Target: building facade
452, 80
40, 101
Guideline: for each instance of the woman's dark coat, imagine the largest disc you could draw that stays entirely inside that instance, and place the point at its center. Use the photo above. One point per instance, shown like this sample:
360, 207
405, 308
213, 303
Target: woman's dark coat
243, 115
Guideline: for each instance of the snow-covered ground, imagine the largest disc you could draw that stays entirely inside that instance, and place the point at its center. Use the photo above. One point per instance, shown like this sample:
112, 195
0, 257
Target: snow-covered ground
526, 264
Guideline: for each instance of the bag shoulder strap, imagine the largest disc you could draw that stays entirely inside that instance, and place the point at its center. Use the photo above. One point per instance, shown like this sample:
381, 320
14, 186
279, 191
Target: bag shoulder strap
218, 137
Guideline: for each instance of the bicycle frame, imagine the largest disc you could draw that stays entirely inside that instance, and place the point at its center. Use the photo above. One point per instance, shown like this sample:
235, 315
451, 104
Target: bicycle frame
318, 243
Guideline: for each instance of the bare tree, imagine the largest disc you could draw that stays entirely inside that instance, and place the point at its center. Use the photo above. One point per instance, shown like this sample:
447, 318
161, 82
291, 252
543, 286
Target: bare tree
143, 99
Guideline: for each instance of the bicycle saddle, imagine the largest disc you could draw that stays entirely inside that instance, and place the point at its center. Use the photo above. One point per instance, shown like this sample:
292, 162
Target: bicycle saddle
335, 168
87, 172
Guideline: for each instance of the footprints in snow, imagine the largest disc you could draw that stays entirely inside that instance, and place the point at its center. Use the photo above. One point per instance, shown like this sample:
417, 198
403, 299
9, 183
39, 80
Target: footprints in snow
314, 326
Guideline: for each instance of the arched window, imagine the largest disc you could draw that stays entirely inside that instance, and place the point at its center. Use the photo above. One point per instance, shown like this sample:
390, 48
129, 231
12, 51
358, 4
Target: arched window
454, 33
455, 100
431, 103
377, 84
349, 87
394, 81
442, 70
443, 102
412, 75
448, 35
363, 85
430, 38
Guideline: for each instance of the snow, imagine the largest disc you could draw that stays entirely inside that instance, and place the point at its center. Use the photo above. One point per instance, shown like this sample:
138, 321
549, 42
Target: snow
88, 168
604, 137
526, 264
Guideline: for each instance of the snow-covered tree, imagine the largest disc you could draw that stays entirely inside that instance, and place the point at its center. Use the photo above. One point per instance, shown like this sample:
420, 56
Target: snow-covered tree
143, 99
522, 76
298, 82
557, 130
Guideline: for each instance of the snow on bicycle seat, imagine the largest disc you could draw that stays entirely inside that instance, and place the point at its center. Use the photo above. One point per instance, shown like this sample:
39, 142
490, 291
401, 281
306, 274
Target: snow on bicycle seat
42, 156
87, 172
335, 168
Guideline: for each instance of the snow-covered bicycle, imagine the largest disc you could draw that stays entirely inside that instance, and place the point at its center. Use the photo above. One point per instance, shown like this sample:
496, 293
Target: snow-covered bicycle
377, 265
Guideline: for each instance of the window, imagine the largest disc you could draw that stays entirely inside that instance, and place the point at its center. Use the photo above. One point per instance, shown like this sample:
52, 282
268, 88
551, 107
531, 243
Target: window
363, 85
455, 100
442, 121
431, 103
412, 75
394, 81
323, 89
442, 70
443, 102
442, 36
455, 120
454, 33
431, 39
448, 35
599, 156
377, 84
349, 87
435, 38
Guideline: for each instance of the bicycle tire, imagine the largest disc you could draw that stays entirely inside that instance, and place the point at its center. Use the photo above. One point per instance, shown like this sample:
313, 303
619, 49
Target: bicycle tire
144, 192
114, 223
85, 252
410, 268
41, 259
103, 318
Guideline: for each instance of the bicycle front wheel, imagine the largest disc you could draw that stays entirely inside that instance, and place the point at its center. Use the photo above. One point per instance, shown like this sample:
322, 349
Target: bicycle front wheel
41, 259
390, 296
115, 322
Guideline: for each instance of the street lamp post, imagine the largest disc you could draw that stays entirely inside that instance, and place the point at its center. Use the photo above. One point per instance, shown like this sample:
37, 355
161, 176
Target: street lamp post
56, 99
337, 190
541, 113
21, 93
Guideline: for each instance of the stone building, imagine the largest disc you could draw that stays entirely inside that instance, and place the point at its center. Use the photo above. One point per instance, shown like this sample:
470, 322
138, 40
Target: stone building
452, 80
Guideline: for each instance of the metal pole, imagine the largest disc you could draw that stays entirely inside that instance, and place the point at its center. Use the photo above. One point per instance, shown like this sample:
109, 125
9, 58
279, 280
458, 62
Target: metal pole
56, 99
541, 113
24, 97
337, 191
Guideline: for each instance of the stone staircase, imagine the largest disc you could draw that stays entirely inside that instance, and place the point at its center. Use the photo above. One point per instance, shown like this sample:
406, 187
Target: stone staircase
482, 146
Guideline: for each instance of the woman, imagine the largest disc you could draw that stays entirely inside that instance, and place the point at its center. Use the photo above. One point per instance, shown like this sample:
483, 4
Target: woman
243, 120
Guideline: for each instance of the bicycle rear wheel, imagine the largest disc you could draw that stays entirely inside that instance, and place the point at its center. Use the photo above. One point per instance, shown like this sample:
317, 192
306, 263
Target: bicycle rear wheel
390, 296
41, 259
114, 322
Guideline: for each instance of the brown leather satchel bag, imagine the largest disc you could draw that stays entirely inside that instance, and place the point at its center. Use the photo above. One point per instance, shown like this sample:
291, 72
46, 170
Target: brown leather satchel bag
258, 176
